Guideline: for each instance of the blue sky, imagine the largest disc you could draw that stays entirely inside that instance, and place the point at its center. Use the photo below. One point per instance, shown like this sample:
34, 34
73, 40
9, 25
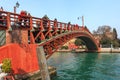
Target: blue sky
96, 12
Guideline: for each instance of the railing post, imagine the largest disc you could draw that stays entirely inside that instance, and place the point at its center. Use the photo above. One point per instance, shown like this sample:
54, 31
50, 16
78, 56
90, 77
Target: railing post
71, 27
49, 25
31, 23
60, 28
65, 27
32, 40
8, 21
41, 25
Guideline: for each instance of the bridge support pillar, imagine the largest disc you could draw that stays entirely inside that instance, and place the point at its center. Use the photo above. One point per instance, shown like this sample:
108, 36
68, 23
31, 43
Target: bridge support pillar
24, 36
17, 36
8, 37
42, 63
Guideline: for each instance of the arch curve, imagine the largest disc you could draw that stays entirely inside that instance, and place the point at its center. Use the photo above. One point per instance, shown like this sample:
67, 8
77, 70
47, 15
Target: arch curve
55, 43
90, 44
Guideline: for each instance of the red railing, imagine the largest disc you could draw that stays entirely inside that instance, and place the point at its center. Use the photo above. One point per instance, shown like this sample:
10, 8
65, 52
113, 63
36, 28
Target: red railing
45, 28
7, 19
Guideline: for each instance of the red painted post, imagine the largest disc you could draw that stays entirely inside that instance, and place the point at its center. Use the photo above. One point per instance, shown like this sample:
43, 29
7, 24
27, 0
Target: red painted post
41, 25
60, 28
72, 27
65, 27
42, 37
8, 20
31, 23
32, 39
49, 25
40, 34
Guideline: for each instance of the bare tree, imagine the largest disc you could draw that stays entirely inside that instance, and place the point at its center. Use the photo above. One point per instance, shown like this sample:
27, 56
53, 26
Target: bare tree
103, 29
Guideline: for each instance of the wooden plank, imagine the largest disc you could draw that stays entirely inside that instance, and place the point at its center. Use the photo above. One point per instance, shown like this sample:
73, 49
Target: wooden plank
42, 63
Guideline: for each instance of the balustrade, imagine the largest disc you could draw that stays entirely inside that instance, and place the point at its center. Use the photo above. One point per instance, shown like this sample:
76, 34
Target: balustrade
39, 28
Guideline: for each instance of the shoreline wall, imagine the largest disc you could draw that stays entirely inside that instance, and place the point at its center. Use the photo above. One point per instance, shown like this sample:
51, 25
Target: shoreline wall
102, 50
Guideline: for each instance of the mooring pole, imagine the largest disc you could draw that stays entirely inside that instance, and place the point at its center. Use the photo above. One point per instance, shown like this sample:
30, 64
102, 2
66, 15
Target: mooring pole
42, 63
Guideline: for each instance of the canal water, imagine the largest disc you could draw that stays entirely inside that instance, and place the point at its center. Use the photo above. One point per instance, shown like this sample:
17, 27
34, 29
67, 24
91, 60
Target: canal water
86, 66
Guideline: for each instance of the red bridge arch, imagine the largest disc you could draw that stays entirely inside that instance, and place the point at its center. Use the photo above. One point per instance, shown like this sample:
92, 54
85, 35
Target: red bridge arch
53, 44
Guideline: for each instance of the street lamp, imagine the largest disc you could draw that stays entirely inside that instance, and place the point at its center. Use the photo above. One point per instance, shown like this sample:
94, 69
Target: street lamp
82, 20
16, 6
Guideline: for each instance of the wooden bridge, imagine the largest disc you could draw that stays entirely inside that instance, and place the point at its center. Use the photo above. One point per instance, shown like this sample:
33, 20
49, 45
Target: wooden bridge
20, 34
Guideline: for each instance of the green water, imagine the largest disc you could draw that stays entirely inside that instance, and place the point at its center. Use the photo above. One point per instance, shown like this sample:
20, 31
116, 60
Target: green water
86, 66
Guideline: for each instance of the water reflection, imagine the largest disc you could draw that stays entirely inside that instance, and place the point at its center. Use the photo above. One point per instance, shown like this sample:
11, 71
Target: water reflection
87, 66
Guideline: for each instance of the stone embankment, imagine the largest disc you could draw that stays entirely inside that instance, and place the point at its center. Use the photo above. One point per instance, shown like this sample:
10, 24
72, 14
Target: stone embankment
37, 75
102, 50
110, 50
69, 50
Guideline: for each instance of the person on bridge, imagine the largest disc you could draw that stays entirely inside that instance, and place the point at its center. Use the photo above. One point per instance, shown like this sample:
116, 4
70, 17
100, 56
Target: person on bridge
28, 20
1, 22
22, 18
38, 23
1, 9
1, 18
76, 27
45, 22
68, 26
55, 24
